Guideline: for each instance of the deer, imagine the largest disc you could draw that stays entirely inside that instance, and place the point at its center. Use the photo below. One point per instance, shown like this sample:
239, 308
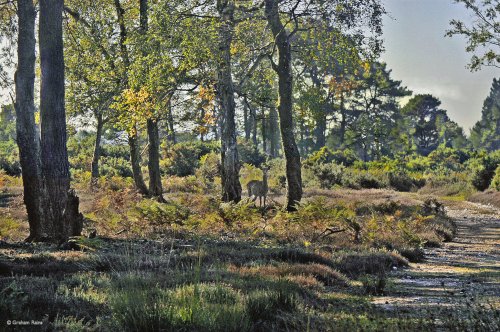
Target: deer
258, 188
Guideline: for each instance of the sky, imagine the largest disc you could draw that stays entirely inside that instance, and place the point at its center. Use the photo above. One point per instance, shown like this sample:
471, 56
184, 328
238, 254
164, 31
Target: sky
427, 62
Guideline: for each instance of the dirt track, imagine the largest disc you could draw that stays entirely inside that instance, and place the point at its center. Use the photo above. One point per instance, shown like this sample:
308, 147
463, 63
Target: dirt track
466, 270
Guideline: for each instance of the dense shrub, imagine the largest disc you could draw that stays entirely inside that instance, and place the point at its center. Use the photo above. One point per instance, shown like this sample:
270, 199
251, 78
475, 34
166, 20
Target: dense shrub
328, 175
495, 183
364, 180
483, 174
448, 158
209, 170
114, 166
402, 181
184, 158
249, 154
324, 156
9, 158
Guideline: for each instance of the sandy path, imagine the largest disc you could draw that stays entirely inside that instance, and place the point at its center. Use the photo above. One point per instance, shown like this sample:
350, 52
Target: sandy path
463, 271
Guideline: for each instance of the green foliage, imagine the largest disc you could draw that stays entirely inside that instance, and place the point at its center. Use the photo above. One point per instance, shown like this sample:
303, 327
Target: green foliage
361, 179
495, 183
249, 154
162, 213
209, 170
183, 159
484, 172
449, 158
328, 174
267, 304
486, 132
481, 34
402, 181
344, 157
139, 306
9, 154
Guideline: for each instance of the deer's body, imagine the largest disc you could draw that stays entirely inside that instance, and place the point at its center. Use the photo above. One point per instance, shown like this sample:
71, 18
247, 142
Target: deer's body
258, 189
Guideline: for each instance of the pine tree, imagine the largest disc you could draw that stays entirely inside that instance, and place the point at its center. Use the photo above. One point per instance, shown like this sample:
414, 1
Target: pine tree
486, 132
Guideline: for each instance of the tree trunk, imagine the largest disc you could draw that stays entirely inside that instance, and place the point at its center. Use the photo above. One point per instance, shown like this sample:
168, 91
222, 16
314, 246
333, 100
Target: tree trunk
27, 137
320, 131
246, 121
97, 152
62, 218
231, 187
274, 134
285, 108
264, 131
133, 140
253, 123
155, 188
343, 122
135, 161
170, 123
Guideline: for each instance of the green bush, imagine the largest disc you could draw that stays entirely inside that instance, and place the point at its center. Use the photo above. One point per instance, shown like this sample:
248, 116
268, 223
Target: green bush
495, 183
402, 181
249, 154
364, 180
184, 158
209, 170
115, 166
328, 175
448, 158
324, 156
483, 174
9, 158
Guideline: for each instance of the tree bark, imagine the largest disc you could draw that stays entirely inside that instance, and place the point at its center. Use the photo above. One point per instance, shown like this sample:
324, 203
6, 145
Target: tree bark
253, 113
27, 136
246, 121
231, 187
343, 121
285, 108
62, 218
263, 131
135, 161
274, 134
97, 152
170, 123
155, 187
133, 141
320, 131
252, 122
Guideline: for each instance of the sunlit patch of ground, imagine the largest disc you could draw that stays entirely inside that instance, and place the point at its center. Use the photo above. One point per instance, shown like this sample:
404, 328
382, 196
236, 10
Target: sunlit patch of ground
457, 275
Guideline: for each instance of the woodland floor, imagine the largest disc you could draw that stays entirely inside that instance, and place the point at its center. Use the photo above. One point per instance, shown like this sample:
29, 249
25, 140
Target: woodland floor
455, 288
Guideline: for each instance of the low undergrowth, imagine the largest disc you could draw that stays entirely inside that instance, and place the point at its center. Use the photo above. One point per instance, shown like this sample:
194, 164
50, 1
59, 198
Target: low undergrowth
195, 263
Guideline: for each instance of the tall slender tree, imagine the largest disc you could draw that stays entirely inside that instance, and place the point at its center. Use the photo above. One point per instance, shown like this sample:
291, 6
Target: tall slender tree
231, 187
133, 141
285, 108
27, 137
61, 216
155, 187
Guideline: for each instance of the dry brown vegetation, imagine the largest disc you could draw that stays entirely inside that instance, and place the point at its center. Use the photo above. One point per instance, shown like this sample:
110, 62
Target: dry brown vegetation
197, 263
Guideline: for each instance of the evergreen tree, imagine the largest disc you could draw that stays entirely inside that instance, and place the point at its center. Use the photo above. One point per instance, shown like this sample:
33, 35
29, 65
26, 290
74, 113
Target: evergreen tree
486, 132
